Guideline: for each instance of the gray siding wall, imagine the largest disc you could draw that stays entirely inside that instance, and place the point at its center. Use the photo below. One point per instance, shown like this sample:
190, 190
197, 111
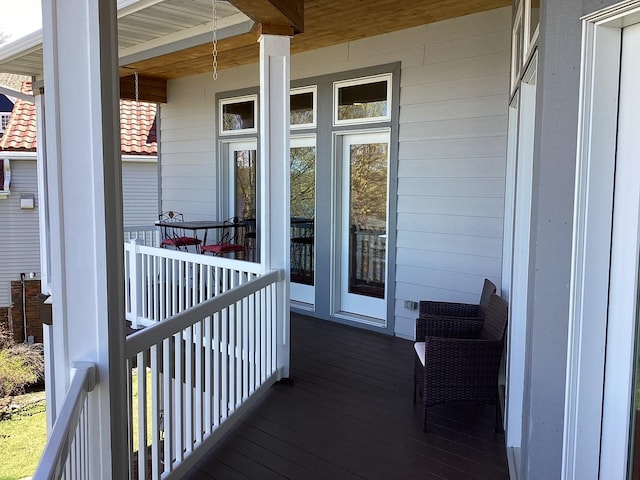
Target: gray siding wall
451, 165
19, 240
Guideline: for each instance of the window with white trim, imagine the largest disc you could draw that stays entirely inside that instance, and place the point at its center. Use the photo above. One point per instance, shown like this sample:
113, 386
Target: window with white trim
302, 107
362, 100
4, 121
239, 115
5, 177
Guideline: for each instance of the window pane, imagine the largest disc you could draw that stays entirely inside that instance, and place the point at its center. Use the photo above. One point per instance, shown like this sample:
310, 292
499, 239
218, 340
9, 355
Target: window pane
303, 206
245, 174
534, 18
368, 100
238, 116
368, 219
301, 106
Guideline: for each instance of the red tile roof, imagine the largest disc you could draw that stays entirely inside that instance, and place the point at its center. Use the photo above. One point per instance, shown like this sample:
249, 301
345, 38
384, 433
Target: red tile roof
137, 127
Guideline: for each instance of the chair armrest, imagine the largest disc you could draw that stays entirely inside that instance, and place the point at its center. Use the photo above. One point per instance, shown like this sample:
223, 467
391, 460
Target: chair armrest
428, 307
451, 327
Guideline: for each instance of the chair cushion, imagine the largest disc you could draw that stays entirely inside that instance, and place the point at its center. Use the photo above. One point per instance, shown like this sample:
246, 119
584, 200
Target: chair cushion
419, 347
181, 241
223, 248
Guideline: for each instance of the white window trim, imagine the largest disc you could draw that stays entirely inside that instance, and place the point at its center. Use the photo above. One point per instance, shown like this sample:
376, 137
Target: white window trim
231, 100
5, 191
388, 77
516, 60
590, 448
312, 89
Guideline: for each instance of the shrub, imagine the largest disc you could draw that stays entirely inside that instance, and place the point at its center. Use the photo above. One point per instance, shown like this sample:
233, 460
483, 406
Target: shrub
20, 365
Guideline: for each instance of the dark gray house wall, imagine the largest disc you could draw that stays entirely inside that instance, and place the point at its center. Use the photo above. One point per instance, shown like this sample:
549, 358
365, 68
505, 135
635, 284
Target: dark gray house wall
552, 221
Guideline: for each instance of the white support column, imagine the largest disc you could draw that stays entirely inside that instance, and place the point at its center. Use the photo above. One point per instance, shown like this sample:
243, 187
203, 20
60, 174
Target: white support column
274, 175
45, 282
85, 215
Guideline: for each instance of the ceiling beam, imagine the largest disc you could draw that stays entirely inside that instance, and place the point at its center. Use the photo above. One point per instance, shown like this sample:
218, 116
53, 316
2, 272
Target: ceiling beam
275, 16
150, 89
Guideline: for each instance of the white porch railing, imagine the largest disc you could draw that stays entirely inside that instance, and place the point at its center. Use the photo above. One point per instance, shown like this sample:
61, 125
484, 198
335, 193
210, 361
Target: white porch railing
162, 282
148, 235
67, 450
191, 375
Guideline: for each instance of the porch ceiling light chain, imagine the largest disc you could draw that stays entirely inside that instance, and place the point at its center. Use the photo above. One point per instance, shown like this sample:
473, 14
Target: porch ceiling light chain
215, 41
136, 85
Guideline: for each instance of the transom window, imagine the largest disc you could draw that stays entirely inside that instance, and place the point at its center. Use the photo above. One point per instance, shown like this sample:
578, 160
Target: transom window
362, 100
302, 105
238, 115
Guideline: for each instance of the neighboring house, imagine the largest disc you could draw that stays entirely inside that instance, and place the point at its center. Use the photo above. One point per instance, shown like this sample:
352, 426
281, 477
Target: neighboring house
19, 201
501, 137
6, 105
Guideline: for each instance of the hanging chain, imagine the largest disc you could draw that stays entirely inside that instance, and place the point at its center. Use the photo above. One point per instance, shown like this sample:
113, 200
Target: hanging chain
136, 85
215, 41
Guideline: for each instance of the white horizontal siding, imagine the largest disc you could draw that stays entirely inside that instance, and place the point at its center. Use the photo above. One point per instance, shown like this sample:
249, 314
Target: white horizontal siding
452, 163
452, 146
19, 241
189, 168
139, 193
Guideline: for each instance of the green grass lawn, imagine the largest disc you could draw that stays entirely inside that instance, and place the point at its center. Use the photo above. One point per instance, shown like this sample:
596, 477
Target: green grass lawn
23, 437
22, 440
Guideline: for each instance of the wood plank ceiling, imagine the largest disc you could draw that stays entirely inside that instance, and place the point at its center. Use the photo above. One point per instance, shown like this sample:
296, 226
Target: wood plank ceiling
326, 23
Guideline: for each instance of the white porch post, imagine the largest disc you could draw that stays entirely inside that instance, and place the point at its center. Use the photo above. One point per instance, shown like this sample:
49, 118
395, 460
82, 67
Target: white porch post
85, 215
274, 176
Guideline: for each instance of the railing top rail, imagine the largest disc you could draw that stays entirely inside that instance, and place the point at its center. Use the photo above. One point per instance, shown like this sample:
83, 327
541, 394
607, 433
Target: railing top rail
57, 449
147, 337
201, 259
140, 228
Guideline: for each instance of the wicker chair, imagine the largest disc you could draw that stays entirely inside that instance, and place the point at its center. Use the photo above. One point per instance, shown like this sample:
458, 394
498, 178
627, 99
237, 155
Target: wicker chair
457, 359
449, 309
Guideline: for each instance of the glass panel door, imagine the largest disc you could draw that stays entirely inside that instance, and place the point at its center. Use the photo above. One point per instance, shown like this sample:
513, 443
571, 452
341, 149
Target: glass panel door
242, 192
303, 211
363, 266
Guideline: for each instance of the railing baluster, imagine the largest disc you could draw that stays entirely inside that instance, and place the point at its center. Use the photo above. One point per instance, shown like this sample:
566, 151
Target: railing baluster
168, 403
252, 343
224, 367
156, 409
178, 411
142, 413
245, 343
199, 387
189, 414
217, 358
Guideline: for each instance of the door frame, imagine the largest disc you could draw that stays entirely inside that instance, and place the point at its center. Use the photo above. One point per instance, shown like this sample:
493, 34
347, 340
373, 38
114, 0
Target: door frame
515, 282
592, 447
338, 247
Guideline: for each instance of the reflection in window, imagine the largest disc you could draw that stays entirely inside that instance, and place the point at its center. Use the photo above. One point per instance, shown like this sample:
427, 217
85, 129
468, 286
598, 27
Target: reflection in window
301, 108
534, 18
245, 184
303, 206
368, 219
363, 101
238, 115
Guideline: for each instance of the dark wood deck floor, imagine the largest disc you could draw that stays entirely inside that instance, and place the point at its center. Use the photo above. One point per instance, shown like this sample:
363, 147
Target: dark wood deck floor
349, 415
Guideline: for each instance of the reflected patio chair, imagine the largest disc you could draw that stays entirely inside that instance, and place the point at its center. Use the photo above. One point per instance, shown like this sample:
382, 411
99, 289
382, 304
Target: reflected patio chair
176, 236
458, 359
230, 240
250, 239
302, 242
